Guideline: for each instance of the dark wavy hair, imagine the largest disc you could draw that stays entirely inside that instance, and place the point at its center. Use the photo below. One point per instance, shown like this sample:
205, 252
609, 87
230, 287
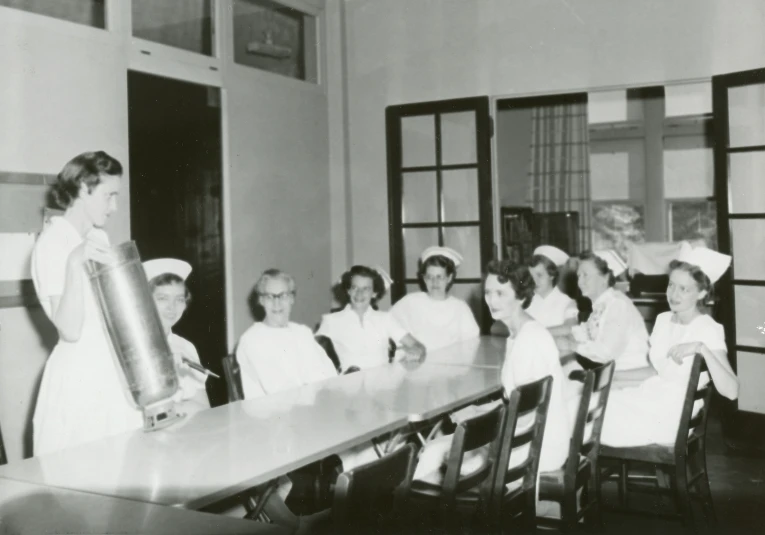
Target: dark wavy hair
517, 275
438, 261
702, 280
86, 168
165, 279
550, 267
378, 284
600, 264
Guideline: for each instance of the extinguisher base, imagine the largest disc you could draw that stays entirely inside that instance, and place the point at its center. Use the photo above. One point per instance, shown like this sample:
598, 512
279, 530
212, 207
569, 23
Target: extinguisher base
160, 415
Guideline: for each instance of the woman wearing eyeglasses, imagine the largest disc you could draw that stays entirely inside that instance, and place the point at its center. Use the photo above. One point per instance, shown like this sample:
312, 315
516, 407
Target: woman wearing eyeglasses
432, 316
276, 354
360, 332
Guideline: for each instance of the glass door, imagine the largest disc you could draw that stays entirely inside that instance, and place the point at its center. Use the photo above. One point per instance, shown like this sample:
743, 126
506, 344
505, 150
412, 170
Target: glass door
739, 116
439, 190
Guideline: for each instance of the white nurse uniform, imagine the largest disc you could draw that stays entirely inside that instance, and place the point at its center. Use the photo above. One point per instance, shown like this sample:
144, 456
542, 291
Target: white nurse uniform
435, 323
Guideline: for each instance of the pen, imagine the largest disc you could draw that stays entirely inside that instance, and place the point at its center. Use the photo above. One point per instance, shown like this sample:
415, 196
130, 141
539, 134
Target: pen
199, 368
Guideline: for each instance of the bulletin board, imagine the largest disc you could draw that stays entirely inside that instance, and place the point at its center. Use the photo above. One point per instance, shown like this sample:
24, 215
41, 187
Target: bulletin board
22, 212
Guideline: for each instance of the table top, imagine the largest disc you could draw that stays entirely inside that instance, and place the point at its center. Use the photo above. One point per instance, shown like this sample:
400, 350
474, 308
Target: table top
222, 451
31, 509
482, 352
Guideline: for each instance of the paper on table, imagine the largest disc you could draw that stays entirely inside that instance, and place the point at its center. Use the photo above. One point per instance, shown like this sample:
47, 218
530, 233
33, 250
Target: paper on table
15, 255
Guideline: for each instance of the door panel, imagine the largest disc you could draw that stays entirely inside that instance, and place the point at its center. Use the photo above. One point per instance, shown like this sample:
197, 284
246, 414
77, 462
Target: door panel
439, 190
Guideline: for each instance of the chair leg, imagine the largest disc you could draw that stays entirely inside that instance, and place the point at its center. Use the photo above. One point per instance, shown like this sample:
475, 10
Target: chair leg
623, 474
682, 498
706, 494
594, 515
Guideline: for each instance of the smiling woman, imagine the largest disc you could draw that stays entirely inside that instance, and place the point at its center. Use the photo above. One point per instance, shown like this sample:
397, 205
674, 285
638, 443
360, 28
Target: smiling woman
81, 397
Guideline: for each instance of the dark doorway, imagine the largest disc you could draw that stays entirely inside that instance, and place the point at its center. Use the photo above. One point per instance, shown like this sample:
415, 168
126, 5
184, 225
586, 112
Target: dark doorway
175, 200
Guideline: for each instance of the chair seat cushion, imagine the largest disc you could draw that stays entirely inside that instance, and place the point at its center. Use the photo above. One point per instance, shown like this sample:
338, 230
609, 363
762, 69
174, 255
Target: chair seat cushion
652, 453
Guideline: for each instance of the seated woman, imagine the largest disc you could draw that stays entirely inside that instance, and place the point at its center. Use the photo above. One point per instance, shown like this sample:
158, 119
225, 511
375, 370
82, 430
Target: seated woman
277, 354
360, 332
615, 330
531, 354
550, 307
432, 316
167, 280
645, 404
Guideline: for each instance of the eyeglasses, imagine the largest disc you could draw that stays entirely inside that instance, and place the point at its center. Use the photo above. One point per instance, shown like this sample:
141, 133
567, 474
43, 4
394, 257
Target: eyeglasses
273, 298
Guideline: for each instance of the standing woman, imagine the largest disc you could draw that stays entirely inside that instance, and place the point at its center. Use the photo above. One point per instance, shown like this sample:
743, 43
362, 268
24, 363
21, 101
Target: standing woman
550, 307
615, 330
167, 281
360, 332
432, 316
645, 405
81, 396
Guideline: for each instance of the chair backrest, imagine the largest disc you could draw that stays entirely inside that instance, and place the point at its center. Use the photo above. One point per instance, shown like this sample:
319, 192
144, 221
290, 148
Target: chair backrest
329, 348
233, 378
533, 401
692, 427
374, 492
484, 431
585, 439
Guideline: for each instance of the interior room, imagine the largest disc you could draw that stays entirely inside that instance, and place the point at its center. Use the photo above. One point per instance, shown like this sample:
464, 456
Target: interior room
309, 136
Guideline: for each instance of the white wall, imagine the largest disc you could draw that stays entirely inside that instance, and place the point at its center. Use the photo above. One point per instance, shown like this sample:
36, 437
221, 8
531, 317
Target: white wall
417, 50
63, 92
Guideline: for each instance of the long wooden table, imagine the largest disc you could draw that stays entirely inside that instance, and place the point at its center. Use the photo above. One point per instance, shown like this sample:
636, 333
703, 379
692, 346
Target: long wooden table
223, 451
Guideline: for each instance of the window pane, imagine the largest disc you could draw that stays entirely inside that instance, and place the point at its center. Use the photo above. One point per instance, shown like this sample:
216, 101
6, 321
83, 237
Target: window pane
746, 115
751, 374
186, 24
616, 226
615, 167
749, 315
275, 38
418, 140
416, 240
747, 187
694, 220
419, 203
467, 242
458, 138
748, 248
688, 167
87, 12
460, 195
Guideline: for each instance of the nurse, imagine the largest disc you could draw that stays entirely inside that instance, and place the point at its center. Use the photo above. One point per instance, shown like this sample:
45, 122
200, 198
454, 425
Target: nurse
167, 281
645, 404
360, 332
615, 329
81, 396
550, 307
432, 316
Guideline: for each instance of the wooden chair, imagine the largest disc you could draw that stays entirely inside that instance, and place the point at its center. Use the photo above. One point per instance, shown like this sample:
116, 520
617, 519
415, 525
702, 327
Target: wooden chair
465, 495
580, 472
329, 348
684, 461
233, 376
513, 499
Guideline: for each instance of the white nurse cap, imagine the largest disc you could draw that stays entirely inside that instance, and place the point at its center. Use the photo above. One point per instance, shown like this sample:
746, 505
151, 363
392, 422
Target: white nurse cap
387, 281
447, 252
160, 266
712, 263
613, 260
557, 256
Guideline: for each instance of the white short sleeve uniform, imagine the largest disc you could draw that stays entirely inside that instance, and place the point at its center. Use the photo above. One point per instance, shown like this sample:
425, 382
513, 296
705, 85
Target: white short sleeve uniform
273, 359
361, 341
650, 413
191, 381
553, 310
435, 323
615, 331
81, 397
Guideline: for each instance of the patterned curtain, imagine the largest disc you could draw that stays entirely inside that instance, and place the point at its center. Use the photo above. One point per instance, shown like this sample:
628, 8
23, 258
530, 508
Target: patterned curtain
559, 174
